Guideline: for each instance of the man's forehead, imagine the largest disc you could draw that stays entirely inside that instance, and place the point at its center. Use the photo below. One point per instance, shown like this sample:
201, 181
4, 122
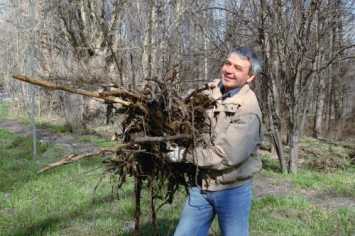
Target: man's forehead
238, 60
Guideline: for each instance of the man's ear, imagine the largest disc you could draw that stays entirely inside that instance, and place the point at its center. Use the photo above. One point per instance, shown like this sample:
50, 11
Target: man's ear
251, 77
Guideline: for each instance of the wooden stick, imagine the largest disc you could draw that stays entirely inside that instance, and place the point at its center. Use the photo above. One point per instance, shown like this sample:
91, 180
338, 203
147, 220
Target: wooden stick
122, 92
147, 139
54, 86
138, 191
70, 158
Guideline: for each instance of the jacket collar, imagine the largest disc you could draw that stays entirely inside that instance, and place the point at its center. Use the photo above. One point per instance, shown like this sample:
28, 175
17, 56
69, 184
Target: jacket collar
236, 99
228, 94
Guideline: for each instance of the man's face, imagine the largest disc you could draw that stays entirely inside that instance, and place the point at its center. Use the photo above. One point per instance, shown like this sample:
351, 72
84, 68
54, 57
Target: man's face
235, 72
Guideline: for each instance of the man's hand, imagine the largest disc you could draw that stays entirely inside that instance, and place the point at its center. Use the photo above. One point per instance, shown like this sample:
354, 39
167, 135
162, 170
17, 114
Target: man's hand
175, 154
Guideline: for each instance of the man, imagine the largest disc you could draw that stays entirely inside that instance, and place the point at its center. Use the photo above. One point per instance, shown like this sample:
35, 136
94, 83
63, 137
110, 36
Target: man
227, 164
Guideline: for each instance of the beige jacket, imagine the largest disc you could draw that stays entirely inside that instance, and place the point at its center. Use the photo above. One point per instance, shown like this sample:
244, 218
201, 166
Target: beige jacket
231, 156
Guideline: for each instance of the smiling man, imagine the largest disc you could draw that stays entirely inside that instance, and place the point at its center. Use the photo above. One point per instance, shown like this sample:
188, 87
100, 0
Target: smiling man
229, 158
236, 71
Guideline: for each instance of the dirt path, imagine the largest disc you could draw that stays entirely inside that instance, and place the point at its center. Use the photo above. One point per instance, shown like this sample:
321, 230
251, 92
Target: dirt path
61, 140
263, 185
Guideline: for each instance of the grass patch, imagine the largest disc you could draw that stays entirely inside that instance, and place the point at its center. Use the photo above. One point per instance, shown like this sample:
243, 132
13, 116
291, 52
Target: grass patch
101, 143
107, 144
296, 216
57, 128
310, 142
5, 108
86, 138
16, 159
270, 164
306, 203
341, 182
320, 155
63, 201
7, 111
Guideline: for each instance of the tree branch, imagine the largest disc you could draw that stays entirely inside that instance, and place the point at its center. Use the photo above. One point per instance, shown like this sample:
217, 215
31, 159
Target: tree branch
54, 86
70, 158
160, 139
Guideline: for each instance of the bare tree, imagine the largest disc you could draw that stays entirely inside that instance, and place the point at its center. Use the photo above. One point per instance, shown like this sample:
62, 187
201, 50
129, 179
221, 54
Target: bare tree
307, 48
292, 45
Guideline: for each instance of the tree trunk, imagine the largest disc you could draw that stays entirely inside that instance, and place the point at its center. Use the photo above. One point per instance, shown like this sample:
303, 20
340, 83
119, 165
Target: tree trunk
273, 95
147, 47
294, 145
317, 130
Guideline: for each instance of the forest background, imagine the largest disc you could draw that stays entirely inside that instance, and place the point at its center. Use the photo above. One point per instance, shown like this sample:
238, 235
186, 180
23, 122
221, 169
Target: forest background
306, 92
307, 49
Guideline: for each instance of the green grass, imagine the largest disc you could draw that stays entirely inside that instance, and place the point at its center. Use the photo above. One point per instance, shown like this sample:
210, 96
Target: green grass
5, 108
310, 142
63, 201
16, 159
106, 144
340, 181
58, 128
269, 164
101, 143
296, 216
7, 111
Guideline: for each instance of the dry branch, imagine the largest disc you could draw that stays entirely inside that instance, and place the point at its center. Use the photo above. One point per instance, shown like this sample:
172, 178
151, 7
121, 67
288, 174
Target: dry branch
152, 119
54, 86
119, 92
70, 158
160, 139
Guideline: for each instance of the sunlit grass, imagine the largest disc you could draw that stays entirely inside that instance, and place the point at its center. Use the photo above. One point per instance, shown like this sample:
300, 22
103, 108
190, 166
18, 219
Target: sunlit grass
5, 108
63, 201
16, 159
296, 216
341, 181
57, 128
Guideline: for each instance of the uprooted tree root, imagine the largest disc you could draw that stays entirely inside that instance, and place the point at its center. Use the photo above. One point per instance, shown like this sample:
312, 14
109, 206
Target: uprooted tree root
153, 118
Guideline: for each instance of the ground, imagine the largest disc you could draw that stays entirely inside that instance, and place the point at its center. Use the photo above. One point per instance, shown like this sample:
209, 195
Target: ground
263, 184
61, 140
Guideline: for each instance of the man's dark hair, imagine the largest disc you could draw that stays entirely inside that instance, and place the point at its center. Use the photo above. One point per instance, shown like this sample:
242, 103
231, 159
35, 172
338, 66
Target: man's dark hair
248, 54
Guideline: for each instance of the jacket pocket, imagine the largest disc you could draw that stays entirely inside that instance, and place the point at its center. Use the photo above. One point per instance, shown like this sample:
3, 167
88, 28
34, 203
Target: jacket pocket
240, 172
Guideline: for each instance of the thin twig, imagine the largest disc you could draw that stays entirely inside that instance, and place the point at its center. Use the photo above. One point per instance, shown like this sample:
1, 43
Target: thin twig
70, 158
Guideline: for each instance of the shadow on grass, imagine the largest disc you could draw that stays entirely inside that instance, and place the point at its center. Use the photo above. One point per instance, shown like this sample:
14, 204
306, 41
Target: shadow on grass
165, 227
55, 224
273, 166
61, 223
333, 198
25, 170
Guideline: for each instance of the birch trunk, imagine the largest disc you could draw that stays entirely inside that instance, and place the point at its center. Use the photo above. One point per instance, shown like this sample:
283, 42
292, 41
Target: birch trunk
320, 77
272, 71
147, 52
294, 146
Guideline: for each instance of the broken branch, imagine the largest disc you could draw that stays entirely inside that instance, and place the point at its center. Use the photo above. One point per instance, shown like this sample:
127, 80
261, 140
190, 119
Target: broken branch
70, 158
160, 139
54, 86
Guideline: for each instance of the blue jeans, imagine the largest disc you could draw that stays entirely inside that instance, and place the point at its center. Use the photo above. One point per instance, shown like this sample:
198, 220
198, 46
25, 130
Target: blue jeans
232, 207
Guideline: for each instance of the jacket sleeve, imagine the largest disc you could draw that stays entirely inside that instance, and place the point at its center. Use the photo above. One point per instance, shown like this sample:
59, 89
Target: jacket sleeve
231, 146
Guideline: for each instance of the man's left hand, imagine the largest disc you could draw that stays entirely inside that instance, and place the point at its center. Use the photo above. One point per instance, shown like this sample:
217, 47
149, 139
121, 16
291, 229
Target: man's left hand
175, 154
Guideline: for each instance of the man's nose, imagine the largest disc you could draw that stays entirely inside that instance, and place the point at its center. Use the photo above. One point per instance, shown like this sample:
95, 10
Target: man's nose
228, 70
